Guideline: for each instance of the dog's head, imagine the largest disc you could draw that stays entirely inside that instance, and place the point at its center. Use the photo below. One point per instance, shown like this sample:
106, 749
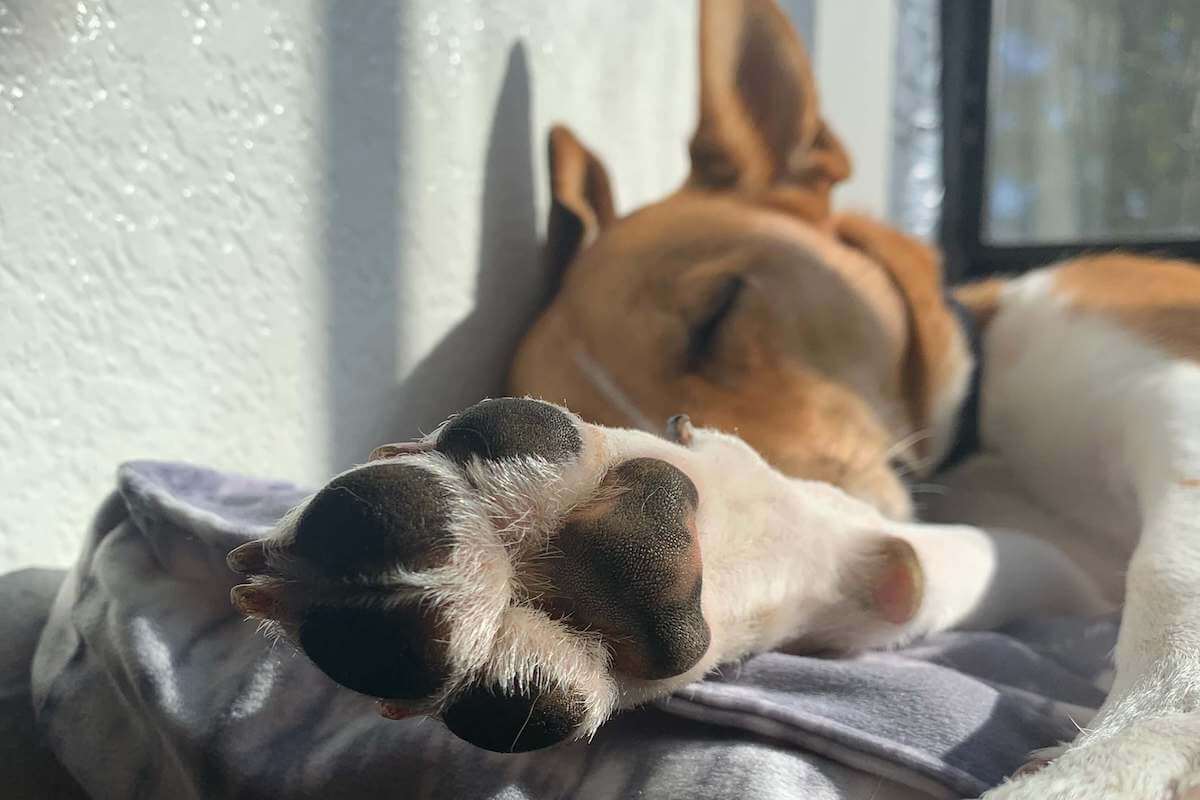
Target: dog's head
741, 299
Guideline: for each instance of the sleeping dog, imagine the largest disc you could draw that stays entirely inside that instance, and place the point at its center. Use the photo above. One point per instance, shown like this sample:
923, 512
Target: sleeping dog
522, 573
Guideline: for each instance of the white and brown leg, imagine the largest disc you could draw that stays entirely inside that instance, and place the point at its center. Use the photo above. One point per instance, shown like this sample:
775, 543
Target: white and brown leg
1145, 740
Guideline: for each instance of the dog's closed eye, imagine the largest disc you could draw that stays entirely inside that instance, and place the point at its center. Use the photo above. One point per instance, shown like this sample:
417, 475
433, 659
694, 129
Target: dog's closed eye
705, 333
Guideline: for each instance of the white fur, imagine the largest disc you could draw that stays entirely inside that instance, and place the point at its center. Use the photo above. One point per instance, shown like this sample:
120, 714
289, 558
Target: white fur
1102, 431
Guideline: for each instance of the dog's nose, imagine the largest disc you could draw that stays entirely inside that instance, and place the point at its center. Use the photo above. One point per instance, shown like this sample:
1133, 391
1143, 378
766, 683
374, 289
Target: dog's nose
511, 428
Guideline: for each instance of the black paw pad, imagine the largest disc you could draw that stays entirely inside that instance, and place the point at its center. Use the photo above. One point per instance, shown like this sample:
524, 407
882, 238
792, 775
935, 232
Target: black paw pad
633, 567
514, 723
394, 653
375, 517
510, 428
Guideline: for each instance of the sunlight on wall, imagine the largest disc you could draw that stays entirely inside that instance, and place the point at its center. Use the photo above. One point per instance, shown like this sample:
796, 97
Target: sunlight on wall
266, 236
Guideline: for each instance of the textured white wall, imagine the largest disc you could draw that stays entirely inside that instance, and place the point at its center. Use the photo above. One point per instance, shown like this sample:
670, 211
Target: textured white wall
259, 235
854, 63
267, 236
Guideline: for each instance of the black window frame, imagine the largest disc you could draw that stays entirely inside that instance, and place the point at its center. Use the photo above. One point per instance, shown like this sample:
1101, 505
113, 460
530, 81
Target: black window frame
966, 46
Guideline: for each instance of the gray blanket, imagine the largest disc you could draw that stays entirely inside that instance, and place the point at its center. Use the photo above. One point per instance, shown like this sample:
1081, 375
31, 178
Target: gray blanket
147, 685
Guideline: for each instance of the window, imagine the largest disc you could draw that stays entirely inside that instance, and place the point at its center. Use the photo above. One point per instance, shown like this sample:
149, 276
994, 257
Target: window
1070, 125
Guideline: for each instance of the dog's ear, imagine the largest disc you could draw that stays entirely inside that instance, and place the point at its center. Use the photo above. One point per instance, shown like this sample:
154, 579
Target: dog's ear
581, 201
937, 361
760, 124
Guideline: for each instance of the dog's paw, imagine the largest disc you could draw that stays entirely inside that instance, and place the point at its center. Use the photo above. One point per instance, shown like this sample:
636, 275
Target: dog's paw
1155, 759
518, 574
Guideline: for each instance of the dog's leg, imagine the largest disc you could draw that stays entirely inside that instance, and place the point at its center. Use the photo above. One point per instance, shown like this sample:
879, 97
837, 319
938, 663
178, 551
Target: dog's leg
522, 574
980, 579
1145, 740
1158, 651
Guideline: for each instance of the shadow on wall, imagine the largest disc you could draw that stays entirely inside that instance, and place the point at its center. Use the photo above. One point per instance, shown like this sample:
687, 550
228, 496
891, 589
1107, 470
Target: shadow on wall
368, 204
472, 360
364, 207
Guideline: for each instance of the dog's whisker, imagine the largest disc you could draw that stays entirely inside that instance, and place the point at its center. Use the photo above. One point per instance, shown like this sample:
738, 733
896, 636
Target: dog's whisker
602, 380
908, 442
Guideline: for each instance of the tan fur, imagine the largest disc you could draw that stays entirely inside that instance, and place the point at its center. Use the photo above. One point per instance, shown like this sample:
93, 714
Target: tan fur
1157, 299
826, 369
936, 350
760, 130
981, 298
832, 358
810, 368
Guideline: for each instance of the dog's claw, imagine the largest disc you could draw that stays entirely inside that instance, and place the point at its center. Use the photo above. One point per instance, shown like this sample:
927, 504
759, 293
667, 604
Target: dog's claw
680, 430
248, 559
1032, 766
392, 711
254, 601
399, 449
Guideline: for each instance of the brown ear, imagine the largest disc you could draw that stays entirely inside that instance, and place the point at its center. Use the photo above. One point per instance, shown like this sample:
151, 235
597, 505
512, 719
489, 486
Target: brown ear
760, 124
936, 349
581, 199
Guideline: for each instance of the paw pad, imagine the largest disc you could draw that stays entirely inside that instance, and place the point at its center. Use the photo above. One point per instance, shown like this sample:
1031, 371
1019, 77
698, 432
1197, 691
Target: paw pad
510, 428
381, 515
394, 653
632, 566
515, 722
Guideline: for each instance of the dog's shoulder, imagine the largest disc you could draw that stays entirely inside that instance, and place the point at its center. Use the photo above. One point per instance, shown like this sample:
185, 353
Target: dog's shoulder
1158, 300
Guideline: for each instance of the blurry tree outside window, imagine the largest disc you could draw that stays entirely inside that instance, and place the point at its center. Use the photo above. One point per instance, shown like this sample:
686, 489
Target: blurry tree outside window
1093, 121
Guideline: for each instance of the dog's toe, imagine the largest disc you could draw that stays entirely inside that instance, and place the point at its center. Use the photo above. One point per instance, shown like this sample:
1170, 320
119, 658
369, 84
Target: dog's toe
388, 514
394, 653
507, 720
630, 569
510, 428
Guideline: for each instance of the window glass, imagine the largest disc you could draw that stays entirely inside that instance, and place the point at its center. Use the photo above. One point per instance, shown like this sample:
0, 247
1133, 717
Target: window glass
1093, 122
